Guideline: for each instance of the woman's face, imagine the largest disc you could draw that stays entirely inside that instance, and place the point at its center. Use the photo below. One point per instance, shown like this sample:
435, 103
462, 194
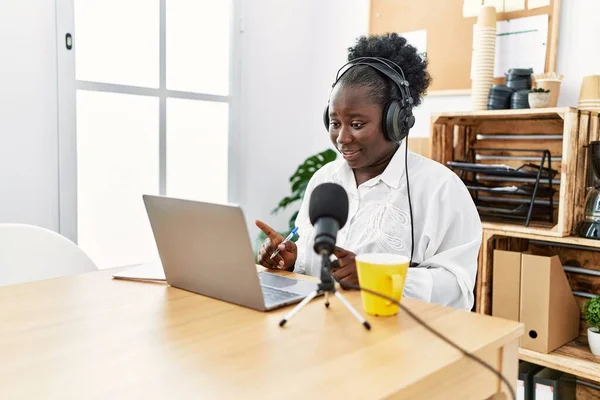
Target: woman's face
355, 127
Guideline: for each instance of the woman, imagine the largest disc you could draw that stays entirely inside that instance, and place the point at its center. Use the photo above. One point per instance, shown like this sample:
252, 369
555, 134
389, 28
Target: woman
447, 228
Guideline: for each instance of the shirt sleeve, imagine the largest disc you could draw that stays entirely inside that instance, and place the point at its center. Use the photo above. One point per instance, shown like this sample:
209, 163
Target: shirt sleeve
452, 235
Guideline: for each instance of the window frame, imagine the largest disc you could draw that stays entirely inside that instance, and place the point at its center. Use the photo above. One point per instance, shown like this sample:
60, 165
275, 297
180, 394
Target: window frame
67, 120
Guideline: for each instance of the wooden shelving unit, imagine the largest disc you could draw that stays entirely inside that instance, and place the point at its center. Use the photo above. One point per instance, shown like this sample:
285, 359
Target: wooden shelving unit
452, 137
574, 357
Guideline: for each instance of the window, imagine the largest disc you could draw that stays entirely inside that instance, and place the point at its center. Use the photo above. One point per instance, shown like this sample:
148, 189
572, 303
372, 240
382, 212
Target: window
152, 107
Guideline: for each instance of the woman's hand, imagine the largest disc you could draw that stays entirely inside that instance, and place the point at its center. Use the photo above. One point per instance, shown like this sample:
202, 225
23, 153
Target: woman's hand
288, 252
345, 269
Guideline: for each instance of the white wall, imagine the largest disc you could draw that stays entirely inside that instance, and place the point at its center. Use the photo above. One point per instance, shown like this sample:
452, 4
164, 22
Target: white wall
578, 47
291, 51
28, 113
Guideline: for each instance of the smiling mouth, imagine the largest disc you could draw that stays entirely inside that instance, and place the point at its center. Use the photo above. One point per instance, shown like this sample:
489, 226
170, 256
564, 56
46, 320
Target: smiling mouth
351, 155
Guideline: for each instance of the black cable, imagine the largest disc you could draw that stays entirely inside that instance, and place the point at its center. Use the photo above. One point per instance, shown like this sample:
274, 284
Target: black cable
412, 226
436, 333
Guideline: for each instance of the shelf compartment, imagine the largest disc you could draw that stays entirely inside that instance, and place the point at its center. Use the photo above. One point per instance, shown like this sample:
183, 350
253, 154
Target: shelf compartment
542, 175
576, 254
564, 131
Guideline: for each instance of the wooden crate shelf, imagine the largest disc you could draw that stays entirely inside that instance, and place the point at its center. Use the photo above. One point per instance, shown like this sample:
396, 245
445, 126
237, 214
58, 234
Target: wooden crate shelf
569, 131
573, 358
565, 130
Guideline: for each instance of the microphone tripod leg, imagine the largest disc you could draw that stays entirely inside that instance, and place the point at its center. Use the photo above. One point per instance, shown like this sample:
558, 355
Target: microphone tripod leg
304, 302
327, 299
356, 314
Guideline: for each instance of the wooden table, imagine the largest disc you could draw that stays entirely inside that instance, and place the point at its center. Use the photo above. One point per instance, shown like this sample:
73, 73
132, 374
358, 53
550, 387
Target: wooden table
92, 337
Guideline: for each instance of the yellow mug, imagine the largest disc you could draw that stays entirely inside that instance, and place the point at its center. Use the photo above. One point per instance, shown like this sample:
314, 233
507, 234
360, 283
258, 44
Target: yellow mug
383, 273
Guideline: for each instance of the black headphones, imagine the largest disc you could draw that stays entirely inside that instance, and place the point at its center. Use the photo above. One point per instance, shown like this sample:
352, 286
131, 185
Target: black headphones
397, 113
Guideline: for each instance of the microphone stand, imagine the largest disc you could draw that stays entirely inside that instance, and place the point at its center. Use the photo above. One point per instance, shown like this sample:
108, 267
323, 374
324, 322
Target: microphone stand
326, 287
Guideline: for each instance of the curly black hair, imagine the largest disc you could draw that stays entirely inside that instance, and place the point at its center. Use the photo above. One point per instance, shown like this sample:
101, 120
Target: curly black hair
395, 48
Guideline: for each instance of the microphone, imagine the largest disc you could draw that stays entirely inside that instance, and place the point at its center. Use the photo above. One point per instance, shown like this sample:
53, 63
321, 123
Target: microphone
328, 212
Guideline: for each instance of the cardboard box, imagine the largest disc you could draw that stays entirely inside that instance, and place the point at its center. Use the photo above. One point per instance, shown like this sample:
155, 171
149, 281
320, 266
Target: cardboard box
548, 308
506, 287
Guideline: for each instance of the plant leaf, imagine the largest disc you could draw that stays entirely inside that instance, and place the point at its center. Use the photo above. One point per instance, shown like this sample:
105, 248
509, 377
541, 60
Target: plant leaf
592, 312
286, 201
299, 182
300, 186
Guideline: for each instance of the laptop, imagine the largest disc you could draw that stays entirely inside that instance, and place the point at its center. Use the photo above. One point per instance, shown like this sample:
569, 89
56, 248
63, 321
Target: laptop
205, 248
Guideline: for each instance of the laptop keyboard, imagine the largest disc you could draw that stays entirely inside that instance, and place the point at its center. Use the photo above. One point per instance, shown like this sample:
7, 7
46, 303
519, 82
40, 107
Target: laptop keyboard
274, 296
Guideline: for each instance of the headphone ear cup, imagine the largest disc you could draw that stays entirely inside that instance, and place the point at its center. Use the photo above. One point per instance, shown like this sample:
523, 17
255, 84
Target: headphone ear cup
411, 121
407, 122
326, 117
391, 121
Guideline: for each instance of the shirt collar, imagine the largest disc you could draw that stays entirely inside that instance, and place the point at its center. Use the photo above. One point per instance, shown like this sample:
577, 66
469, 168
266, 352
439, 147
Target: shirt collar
391, 175
393, 172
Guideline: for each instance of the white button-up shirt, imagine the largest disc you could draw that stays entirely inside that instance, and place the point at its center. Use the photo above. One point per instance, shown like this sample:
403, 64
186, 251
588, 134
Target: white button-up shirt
447, 227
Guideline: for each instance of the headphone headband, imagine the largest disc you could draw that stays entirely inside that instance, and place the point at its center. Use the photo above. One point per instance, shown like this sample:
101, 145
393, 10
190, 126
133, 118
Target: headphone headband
385, 67
378, 59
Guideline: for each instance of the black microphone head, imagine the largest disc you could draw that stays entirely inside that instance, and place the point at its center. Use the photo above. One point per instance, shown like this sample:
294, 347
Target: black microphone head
329, 200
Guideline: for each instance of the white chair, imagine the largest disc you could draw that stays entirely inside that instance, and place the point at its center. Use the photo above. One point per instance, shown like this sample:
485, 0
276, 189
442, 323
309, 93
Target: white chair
30, 253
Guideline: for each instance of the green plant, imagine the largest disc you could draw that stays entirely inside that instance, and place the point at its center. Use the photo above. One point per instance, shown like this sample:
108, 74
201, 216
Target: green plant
298, 181
591, 312
539, 90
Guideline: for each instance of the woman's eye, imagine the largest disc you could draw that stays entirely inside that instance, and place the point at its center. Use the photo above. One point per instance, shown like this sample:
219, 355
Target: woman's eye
357, 125
334, 124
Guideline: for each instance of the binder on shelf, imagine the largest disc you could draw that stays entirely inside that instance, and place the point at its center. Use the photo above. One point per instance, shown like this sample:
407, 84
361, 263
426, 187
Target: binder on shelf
548, 308
506, 285
525, 384
554, 385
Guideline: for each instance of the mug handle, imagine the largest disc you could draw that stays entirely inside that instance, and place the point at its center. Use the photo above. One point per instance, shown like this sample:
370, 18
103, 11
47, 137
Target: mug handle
397, 281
